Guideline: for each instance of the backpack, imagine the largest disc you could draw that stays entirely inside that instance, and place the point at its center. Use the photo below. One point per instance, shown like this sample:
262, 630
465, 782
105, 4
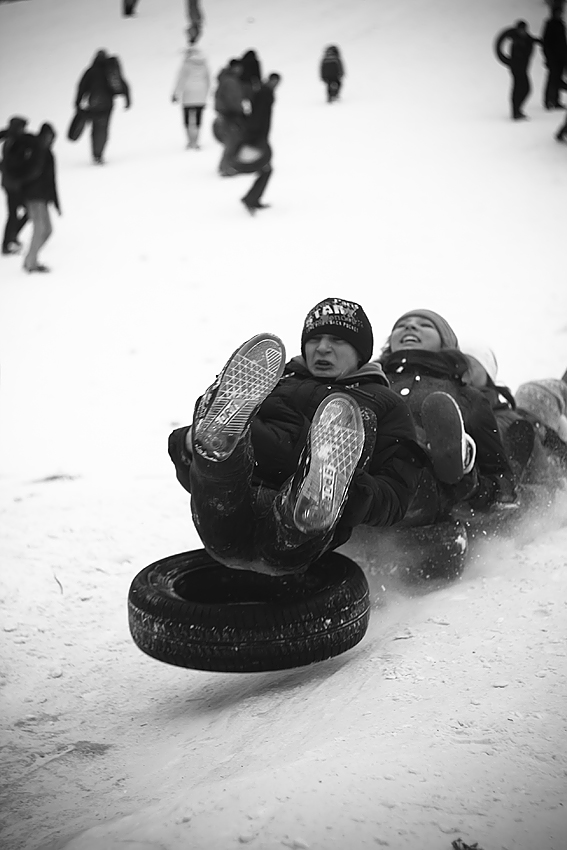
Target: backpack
114, 76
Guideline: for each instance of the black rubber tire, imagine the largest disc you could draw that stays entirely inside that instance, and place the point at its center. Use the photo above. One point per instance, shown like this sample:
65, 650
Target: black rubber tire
263, 159
431, 552
191, 611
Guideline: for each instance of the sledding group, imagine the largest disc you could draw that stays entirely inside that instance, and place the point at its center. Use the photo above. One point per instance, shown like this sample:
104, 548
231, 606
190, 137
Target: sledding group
283, 459
514, 47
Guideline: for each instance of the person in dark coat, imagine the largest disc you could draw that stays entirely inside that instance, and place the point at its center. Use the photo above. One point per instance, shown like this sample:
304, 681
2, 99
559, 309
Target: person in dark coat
251, 77
554, 43
256, 134
39, 190
521, 45
332, 71
15, 220
454, 422
284, 460
229, 105
195, 18
96, 91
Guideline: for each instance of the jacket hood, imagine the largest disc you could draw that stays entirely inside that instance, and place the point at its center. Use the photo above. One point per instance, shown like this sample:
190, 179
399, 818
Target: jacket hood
369, 372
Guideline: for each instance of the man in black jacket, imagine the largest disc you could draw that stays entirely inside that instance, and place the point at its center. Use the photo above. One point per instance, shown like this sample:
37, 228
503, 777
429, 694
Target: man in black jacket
554, 41
97, 88
518, 61
14, 222
284, 460
257, 131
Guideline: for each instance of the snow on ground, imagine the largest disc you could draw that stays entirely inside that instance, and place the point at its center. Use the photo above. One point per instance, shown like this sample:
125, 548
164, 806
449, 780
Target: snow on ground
448, 720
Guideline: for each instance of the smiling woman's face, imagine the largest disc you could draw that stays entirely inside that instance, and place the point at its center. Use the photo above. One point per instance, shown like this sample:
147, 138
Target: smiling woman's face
415, 332
330, 357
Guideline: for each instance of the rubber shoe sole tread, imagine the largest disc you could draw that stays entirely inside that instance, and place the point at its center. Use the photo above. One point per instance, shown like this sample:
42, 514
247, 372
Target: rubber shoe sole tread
445, 433
335, 445
225, 410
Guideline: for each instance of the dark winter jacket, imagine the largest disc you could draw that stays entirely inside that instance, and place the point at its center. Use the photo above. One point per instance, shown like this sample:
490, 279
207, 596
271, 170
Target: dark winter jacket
332, 68
95, 86
229, 95
39, 183
379, 494
521, 49
414, 374
259, 121
554, 41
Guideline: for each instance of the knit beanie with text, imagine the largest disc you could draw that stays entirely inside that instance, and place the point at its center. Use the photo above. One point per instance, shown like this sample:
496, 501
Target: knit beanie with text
343, 319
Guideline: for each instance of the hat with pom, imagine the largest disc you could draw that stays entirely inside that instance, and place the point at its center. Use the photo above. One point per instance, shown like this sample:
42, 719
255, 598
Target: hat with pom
343, 319
444, 329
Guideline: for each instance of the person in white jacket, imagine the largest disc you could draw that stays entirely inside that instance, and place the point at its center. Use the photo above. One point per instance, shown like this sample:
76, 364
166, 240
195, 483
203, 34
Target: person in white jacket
191, 90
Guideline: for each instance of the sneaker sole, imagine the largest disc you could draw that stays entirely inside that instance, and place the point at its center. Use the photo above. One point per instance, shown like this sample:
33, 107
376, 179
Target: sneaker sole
336, 439
445, 433
248, 377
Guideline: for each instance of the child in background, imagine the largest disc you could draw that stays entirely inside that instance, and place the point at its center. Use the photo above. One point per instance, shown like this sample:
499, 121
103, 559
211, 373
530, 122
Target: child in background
332, 71
191, 90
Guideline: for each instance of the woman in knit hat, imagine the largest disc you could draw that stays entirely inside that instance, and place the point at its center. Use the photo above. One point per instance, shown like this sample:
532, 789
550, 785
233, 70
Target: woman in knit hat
283, 460
424, 365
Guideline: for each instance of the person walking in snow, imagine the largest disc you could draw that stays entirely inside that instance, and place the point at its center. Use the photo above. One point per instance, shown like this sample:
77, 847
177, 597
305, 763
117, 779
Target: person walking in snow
196, 19
554, 43
16, 212
454, 422
99, 85
191, 90
332, 71
282, 461
256, 135
39, 190
521, 44
229, 105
